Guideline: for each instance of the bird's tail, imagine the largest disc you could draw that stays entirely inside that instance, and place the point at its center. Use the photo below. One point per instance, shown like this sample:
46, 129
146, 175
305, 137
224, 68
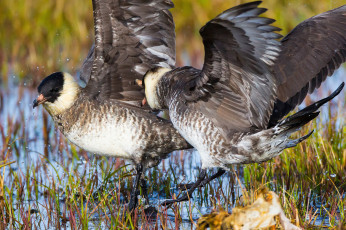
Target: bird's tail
299, 119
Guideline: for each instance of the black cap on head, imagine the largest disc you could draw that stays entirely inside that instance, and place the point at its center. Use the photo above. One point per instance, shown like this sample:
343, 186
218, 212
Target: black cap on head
51, 86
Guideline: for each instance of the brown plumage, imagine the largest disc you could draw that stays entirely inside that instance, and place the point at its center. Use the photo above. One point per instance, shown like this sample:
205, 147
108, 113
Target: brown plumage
106, 117
131, 37
230, 110
309, 53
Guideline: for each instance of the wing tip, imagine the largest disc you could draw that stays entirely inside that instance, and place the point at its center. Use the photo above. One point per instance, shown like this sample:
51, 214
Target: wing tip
337, 91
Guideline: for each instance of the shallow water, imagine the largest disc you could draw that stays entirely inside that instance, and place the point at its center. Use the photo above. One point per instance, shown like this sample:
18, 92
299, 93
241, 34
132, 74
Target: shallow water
38, 147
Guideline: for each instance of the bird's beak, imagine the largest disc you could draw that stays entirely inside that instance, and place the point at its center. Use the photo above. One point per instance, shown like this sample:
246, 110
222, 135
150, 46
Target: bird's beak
40, 99
139, 83
144, 101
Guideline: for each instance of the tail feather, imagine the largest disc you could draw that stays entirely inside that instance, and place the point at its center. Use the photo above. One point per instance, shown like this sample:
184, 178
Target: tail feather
313, 107
299, 119
293, 143
308, 113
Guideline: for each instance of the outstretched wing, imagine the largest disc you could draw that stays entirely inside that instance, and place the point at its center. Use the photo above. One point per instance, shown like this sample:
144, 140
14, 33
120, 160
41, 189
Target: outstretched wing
131, 37
85, 71
235, 88
310, 53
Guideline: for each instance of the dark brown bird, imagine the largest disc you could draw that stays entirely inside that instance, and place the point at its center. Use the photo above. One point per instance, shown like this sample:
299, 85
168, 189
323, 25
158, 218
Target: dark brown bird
231, 110
106, 117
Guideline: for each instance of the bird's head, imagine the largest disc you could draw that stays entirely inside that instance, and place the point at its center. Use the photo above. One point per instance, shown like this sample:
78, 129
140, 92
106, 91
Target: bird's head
57, 92
150, 83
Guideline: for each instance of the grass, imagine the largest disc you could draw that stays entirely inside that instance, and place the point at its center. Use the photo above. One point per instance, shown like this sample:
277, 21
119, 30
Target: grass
46, 183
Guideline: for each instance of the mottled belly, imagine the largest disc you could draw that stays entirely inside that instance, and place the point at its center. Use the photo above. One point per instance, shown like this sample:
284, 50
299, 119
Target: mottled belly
214, 149
200, 133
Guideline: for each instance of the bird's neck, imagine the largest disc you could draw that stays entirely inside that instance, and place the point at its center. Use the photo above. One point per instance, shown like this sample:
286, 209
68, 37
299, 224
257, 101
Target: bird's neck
69, 95
152, 88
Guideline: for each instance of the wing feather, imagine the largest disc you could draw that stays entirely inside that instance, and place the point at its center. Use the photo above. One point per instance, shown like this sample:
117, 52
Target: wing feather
235, 87
131, 37
310, 53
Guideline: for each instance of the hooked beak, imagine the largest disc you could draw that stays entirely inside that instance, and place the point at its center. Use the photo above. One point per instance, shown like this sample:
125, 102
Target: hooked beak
144, 101
40, 99
139, 83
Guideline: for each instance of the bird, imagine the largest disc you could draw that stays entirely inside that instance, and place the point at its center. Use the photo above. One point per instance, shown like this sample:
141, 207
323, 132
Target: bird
106, 116
232, 110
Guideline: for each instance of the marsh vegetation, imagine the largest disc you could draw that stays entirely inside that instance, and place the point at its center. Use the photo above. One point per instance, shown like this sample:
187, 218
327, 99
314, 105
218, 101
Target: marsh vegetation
47, 183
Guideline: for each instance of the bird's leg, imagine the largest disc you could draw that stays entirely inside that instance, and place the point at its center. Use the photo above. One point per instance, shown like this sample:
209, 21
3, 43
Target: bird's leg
149, 211
134, 193
190, 191
144, 190
219, 173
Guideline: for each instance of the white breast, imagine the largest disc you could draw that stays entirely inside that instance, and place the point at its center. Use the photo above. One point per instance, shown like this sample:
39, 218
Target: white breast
108, 135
